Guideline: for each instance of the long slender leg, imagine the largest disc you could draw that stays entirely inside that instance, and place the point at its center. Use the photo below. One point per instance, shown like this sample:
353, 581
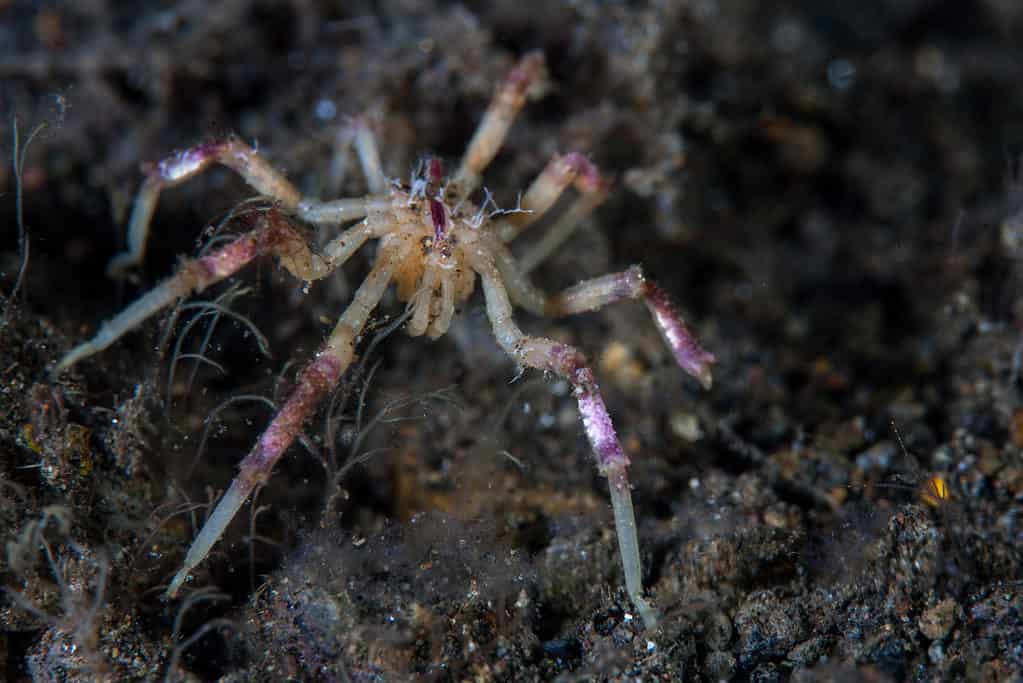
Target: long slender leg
561, 171
592, 196
598, 292
192, 276
369, 157
273, 235
315, 381
590, 295
176, 169
568, 362
338, 170
493, 129
339, 211
358, 132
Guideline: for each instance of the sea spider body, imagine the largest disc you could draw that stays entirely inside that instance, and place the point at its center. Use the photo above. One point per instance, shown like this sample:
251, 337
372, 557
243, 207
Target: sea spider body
433, 274
433, 243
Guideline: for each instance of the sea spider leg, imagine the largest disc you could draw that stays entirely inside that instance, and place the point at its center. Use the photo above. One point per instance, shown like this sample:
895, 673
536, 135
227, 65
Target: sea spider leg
589, 295
178, 168
595, 293
369, 157
358, 132
493, 129
561, 171
258, 173
315, 381
273, 235
550, 184
592, 194
570, 363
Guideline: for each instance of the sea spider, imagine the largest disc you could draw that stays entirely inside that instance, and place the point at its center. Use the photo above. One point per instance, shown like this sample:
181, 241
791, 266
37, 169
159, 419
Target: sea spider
433, 243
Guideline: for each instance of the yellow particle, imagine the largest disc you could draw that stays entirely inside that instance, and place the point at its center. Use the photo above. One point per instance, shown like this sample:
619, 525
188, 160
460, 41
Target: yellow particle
934, 491
618, 361
28, 435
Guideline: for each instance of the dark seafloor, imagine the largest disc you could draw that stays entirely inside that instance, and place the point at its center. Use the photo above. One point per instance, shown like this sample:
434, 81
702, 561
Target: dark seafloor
833, 192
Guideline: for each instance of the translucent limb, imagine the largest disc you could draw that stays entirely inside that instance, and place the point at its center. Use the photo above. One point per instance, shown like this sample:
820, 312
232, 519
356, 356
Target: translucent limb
563, 229
493, 129
569, 363
258, 173
338, 170
193, 276
176, 169
590, 295
357, 131
628, 543
561, 171
315, 381
274, 235
434, 305
369, 157
339, 211
595, 293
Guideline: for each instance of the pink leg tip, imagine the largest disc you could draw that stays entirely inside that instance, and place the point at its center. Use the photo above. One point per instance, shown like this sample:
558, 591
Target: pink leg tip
691, 356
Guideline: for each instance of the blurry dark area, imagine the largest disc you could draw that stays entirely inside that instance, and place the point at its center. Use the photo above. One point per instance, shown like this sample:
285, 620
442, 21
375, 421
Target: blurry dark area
832, 191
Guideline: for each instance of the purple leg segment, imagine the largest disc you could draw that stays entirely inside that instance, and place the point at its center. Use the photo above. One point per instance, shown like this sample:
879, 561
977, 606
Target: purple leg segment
691, 356
270, 235
181, 166
612, 462
570, 364
312, 385
314, 382
598, 292
607, 449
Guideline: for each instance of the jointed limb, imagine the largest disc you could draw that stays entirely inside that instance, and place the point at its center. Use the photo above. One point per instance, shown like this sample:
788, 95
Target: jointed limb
357, 131
339, 211
258, 173
369, 157
421, 314
493, 130
561, 171
234, 154
192, 276
565, 226
315, 381
595, 293
273, 235
446, 309
569, 363
592, 294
